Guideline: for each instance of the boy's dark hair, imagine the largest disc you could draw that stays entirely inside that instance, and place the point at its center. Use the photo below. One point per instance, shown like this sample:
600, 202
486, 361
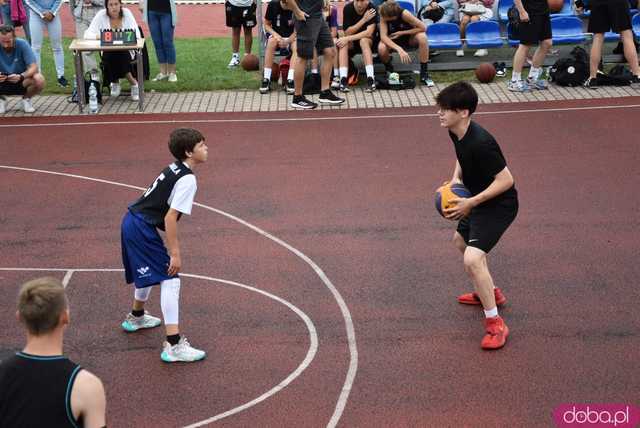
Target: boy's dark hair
390, 9
458, 96
7, 28
183, 140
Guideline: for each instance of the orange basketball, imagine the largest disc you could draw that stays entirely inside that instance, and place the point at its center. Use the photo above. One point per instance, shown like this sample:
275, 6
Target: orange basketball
485, 72
250, 62
275, 72
555, 6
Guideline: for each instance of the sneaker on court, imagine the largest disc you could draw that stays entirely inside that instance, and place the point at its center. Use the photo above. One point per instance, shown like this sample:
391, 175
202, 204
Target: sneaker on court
62, 81
335, 83
343, 86
235, 61
114, 89
265, 86
328, 97
300, 101
173, 78
426, 80
131, 323
591, 83
518, 86
497, 332
290, 87
159, 77
539, 84
135, 93
27, 106
473, 299
371, 84
3, 104
183, 351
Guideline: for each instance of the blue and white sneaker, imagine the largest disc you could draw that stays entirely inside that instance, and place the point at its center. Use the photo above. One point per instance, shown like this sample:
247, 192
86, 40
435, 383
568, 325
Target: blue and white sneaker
131, 323
518, 86
183, 351
539, 84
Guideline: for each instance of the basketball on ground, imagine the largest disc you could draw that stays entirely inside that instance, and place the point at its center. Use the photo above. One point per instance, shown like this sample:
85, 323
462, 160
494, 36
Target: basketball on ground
555, 6
485, 72
447, 192
250, 62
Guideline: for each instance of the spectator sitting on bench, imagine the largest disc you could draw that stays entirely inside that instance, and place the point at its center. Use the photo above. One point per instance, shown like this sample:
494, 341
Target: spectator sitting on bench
278, 24
359, 21
400, 30
117, 65
18, 70
468, 16
430, 8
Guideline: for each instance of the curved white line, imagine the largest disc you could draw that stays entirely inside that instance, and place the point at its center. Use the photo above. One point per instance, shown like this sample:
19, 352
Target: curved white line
346, 314
313, 337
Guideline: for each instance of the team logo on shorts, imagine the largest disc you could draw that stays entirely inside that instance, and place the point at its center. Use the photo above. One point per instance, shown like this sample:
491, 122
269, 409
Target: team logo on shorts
143, 271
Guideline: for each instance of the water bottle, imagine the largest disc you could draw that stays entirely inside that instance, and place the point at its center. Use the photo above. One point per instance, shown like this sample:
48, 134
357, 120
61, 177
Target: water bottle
93, 99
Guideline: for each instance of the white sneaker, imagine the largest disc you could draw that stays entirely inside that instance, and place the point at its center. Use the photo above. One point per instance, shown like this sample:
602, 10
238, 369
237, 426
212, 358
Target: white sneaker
131, 323
27, 106
173, 78
3, 104
335, 83
460, 52
235, 61
159, 77
135, 93
114, 89
183, 351
481, 52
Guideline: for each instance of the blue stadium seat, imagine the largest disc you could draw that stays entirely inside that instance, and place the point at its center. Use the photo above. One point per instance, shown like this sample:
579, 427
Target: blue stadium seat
408, 5
567, 10
503, 8
635, 23
567, 30
483, 35
610, 36
445, 35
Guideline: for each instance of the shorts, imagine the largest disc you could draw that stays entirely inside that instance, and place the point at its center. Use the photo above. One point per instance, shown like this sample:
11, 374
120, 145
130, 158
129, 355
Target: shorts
355, 48
144, 256
312, 34
8, 88
536, 30
609, 15
240, 16
403, 41
485, 225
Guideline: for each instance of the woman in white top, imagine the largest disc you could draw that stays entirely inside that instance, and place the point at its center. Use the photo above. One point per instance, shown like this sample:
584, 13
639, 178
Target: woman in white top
117, 65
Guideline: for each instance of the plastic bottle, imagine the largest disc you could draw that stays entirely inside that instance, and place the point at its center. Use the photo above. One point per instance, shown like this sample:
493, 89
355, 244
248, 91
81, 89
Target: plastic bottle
93, 99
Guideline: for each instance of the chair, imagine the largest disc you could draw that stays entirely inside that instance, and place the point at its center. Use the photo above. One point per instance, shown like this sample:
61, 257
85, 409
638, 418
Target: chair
610, 36
503, 8
567, 30
445, 35
635, 25
567, 10
483, 35
408, 5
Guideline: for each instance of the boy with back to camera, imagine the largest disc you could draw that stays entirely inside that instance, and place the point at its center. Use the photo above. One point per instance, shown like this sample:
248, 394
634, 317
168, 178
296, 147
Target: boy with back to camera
146, 260
487, 214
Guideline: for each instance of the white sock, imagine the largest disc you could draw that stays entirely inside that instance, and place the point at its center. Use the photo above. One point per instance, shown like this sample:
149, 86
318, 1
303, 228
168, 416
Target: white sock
290, 74
142, 294
314, 71
534, 73
344, 72
516, 76
491, 312
169, 300
335, 71
369, 70
267, 73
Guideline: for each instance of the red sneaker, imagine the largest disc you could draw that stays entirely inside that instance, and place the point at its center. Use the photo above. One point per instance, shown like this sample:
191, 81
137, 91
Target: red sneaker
497, 332
473, 299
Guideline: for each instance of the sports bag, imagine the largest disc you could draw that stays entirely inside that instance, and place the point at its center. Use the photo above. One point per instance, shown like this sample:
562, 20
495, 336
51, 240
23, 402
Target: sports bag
572, 70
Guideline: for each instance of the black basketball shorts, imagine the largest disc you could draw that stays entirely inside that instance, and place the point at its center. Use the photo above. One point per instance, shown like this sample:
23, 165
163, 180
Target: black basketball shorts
536, 30
240, 16
8, 88
609, 15
310, 34
485, 225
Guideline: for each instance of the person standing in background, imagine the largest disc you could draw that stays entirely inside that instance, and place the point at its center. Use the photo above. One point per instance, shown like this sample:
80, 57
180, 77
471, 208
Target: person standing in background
161, 16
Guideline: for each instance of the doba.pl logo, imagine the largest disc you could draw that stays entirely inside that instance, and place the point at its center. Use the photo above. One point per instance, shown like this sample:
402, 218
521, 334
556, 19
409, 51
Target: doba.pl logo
596, 415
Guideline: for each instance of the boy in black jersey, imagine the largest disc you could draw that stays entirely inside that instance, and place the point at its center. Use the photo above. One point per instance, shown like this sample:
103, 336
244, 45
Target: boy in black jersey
39, 386
278, 24
146, 260
485, 216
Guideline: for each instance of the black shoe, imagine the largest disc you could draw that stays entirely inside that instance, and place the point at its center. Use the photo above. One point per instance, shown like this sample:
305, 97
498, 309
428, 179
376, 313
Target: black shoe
344, 86
591, 83
371, 84
299, 101
328, 97
426, 80
63, 82
635, 82
265, 86
290, 87
619, 49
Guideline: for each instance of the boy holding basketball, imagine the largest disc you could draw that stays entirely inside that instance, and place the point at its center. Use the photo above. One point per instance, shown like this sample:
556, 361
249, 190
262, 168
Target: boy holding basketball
492, 207
147, 262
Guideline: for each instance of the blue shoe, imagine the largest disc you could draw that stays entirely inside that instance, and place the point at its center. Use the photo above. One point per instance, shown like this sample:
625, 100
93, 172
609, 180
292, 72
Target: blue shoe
518, 86
538, 84
131, 323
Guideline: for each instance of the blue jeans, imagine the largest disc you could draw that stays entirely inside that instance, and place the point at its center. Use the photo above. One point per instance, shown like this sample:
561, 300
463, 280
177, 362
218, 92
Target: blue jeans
162, 35
5, 10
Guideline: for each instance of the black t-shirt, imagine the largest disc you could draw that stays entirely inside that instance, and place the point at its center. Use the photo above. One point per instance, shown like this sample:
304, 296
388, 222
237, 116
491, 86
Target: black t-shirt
159, 6
313, 8
398, 24
281, 19
481, 160
536, 7
350, 17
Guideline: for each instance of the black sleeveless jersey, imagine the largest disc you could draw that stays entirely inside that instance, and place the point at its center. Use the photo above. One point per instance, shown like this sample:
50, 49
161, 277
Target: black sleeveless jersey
153, 205
398, 24
36, 391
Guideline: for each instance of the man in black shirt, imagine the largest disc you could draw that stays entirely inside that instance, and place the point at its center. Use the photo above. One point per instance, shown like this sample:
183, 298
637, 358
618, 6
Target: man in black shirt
485, 216
278, 24
534, 29
359, 22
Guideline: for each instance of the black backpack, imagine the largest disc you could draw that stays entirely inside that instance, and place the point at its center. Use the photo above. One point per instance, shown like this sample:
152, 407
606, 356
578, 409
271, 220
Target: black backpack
572, 70
618, 76
406, 82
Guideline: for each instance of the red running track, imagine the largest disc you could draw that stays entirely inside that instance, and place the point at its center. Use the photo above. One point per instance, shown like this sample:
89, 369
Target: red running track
355, 197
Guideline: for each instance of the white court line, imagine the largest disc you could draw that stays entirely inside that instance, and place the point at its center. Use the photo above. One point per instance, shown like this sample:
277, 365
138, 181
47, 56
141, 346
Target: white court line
320, 118
346, 314
311, 352
67, 278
